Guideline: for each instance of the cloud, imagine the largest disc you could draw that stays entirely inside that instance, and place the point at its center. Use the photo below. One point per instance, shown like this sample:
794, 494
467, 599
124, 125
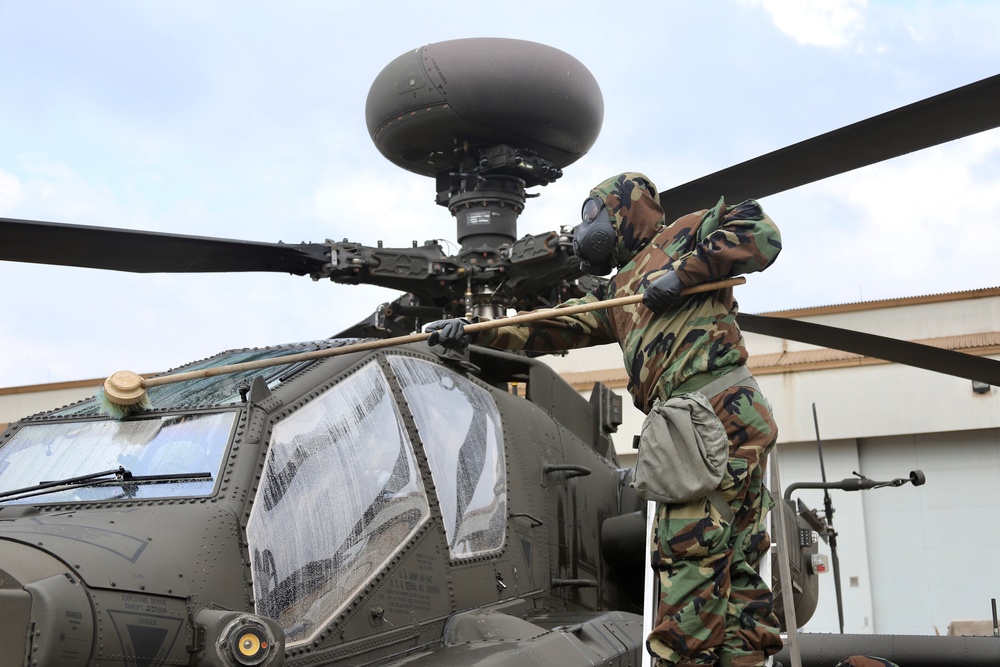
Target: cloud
941, 194
823, 23
11, 191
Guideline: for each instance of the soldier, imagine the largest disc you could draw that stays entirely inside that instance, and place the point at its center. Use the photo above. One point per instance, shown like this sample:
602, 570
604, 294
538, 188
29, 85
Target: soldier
713, 606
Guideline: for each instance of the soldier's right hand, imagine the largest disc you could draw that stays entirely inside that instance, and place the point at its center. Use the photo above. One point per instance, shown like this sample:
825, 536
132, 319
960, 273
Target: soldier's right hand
663, 293
449, 333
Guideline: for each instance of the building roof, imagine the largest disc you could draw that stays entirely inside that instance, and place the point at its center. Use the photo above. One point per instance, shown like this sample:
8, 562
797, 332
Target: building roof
977, 344
981, 344
882, 304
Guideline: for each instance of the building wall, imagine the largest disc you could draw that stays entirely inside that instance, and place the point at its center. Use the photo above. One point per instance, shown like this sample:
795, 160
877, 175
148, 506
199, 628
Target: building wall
18, 402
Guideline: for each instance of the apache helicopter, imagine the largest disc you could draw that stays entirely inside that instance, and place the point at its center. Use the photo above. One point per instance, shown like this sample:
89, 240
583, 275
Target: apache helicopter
404, 505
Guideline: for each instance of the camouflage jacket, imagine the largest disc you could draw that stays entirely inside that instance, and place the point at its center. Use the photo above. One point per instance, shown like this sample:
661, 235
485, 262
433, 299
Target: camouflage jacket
684, 347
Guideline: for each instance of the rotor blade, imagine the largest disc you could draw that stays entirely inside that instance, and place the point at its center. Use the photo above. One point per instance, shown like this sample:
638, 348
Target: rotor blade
150, 252
981, 369
952, 115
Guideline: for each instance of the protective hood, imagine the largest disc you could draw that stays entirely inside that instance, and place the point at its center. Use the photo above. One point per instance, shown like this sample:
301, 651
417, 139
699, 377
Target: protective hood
636, 216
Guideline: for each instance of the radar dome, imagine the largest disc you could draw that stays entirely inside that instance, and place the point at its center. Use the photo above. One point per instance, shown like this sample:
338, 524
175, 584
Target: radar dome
478, 93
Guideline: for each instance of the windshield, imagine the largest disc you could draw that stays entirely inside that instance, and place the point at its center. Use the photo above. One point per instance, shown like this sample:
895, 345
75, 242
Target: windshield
171, 445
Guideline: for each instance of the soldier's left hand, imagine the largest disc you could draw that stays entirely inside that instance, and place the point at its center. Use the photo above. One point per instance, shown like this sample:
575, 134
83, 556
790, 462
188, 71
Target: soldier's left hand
663, 293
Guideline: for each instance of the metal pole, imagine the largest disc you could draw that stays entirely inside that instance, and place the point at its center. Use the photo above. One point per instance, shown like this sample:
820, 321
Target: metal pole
651, 584
831, 533
784, 565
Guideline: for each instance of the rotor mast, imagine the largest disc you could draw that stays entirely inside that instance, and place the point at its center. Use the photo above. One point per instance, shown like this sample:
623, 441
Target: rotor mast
486, 195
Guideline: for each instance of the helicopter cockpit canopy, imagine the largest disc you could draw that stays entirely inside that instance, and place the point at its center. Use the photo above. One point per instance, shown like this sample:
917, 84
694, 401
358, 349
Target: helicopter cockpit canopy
349, 457
353, 453
161, 457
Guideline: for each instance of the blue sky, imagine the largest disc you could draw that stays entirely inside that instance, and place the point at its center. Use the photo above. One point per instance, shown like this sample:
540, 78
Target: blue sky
246, 120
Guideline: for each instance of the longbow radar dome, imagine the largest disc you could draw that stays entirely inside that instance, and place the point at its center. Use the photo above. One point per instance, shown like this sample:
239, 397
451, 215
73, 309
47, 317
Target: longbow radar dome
478, 93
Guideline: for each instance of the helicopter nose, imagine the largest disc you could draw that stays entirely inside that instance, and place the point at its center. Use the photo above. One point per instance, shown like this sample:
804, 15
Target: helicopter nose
47, 616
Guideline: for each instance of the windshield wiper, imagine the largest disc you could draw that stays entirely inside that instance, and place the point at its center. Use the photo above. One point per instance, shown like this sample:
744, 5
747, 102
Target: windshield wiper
130, 486
119, 473
117, 476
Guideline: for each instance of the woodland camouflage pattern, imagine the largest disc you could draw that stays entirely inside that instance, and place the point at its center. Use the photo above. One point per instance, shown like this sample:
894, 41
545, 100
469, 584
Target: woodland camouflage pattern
689, 345
712, 600
865, 661
713, 608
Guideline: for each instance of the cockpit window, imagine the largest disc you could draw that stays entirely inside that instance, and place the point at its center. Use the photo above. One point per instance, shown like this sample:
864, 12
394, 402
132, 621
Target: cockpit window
171, 449
460, 428
340, 493
221, 389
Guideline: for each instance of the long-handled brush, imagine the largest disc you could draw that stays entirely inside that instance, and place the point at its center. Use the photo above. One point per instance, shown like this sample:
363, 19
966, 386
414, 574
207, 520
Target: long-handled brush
125, 392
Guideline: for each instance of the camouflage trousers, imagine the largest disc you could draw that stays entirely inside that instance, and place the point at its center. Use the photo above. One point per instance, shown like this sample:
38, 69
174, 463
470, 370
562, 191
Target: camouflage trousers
713, 606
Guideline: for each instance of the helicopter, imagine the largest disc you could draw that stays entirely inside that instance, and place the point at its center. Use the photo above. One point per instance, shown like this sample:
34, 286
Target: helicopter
463, 508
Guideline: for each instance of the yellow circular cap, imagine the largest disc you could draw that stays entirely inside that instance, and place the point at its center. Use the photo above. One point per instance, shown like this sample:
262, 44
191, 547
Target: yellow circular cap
249, 644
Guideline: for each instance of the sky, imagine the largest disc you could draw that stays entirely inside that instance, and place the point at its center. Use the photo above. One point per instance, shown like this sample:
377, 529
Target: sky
246, 120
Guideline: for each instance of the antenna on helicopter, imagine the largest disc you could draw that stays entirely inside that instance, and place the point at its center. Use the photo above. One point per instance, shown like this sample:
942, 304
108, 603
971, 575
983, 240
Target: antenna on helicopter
825, 527
831, 534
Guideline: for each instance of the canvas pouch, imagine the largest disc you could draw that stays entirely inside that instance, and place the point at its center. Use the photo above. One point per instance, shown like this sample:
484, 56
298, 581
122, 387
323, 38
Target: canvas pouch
683, 450
683, 447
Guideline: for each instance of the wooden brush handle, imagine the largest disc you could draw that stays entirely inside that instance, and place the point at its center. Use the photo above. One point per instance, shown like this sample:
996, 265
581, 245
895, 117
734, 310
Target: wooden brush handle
533, 316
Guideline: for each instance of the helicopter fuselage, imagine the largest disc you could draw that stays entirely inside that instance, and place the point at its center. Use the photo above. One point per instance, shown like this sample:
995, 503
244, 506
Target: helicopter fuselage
396, 506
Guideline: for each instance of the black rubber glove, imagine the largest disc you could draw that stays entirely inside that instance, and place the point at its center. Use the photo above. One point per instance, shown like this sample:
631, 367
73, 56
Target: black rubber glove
449, 333
663, 293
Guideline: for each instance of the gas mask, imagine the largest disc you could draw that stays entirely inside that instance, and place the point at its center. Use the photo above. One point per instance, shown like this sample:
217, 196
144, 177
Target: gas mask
594, 238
